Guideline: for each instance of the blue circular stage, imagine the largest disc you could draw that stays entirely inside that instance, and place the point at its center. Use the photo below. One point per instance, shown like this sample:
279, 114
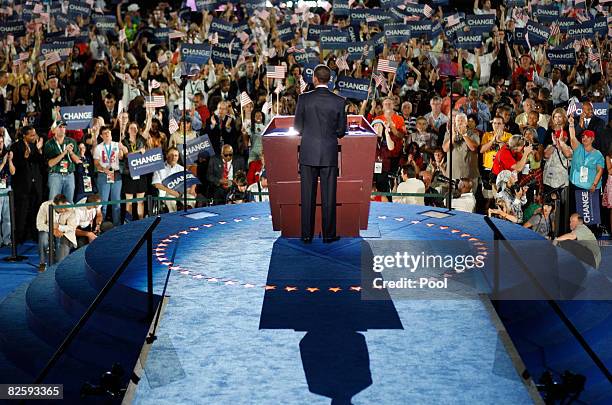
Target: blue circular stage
261, 319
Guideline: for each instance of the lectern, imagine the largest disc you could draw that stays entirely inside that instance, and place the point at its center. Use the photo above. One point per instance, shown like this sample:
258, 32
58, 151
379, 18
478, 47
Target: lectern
356, 154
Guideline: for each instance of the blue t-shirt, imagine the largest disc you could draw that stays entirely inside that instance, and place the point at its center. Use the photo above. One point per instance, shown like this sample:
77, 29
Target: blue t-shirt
584, 167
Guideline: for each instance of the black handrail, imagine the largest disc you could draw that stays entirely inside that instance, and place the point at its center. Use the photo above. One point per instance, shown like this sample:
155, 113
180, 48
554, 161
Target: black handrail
147, 236
498, 235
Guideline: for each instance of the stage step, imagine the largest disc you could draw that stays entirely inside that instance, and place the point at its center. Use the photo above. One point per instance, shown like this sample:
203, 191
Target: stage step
115, 314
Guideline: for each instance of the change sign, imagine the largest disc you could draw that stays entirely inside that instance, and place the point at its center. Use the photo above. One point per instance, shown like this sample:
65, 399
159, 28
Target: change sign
396, 33
105, 23
78, 117
221, 27
196, 53
314, 31
587, 205
468, 40
584, 30
353, 88
538, 34
286, 32
303, 58
63, 48
356, 51
558, 57
140, 164
14, 28
196, 146
334, 39
175, 181
480, 23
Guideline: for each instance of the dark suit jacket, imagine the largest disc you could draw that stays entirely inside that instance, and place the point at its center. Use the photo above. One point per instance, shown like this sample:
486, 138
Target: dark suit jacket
215, 168
598, 126
321, 120
28, 172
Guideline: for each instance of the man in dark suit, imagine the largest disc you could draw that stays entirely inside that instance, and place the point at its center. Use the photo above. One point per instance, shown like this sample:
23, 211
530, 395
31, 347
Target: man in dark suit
221, 172
589, 121
320, 119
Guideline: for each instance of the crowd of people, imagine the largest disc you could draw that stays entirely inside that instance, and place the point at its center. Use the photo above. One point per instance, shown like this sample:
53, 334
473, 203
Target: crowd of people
503, 126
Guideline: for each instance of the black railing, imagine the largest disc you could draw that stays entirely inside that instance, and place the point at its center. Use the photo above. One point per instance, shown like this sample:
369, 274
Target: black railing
146, 236
498, 236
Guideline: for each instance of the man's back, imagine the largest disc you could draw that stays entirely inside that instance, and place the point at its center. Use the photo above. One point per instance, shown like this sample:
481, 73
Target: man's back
321, 120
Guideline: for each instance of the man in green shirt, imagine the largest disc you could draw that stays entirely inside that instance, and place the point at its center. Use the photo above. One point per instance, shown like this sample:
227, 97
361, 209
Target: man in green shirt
586, 247
59, 152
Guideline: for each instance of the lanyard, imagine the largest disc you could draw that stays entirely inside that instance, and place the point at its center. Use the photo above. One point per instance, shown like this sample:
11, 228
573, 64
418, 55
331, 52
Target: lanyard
108, 152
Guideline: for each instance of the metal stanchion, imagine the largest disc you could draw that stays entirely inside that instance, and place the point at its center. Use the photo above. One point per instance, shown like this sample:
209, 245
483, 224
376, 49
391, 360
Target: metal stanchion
14, 257
50, 256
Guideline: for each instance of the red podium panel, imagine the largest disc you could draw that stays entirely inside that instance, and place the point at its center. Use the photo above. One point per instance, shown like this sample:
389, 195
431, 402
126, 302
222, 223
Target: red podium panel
356, 154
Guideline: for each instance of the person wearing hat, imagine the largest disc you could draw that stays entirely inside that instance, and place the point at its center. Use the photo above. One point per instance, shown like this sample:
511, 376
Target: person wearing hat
61, 155
587, 162
320, 119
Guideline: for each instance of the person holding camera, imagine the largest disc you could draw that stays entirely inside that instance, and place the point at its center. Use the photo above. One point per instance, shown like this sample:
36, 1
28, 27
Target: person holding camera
510, 197
541, 222
490, 144
512, 156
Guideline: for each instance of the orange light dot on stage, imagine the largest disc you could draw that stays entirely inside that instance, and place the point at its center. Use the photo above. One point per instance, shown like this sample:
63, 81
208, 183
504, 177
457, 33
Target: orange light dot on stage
290, 289
312, 289
270, 287
335, 289
355, 288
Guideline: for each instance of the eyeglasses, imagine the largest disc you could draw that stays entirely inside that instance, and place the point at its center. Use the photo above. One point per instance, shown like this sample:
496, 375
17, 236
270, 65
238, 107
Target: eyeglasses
228, 154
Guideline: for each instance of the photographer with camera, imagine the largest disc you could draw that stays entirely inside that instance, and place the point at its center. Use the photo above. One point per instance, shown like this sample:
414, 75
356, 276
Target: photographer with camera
541, 222
512, 156
465, 201
510, 197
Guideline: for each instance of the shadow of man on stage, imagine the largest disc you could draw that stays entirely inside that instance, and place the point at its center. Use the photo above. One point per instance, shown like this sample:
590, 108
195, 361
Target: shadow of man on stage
317, 289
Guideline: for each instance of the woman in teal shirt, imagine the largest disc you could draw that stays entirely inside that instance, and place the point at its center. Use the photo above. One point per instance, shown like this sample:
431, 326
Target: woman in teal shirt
587, 162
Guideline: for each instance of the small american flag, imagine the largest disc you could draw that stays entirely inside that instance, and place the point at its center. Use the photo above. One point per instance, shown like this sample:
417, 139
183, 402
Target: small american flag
245, 99
51, 58
380, 82
172, 126
174, 34
428, 11
295, 49
571, 109
594, 56
585, 43
452, 20
162, 59
276, 72
303, 84
263, 14
153, 84
242, 36
341, 62
409, 18
155, 101
371, 18
581, 17
554, 29
213, 38
385, 65
122, 36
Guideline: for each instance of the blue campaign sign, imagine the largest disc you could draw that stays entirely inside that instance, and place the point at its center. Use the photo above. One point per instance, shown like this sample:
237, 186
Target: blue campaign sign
451, 32
140, 164
481, 23
286, 32
77, 117
545, 14
308, 57
561, 56
224, 56
14, 28
308, 71
396, 33
200, 144
63, 48
599, 110
356, 51
600, 26
584, 30
353, 88
538, 34
519, 37
587, 206
175, 181
196, 53
206, 5
221, 27
468, 40
105, 23
341, 8
76, 7
334, 39
160, 35
418, 28
566, 23
314, 31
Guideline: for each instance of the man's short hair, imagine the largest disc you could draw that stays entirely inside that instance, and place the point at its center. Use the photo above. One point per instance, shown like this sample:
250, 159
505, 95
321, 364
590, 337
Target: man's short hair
578, 217
93, 198
60, 199
106, 128
110, 96
322, 73
170, 149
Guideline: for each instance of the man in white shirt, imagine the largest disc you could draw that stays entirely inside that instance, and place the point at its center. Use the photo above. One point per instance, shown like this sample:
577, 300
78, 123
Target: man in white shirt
88, 219
410, 185
466, 202
64, 226
435, 118
171, 167
558, 89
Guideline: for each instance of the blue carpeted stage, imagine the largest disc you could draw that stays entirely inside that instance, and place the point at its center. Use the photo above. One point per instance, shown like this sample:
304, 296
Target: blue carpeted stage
254, 318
